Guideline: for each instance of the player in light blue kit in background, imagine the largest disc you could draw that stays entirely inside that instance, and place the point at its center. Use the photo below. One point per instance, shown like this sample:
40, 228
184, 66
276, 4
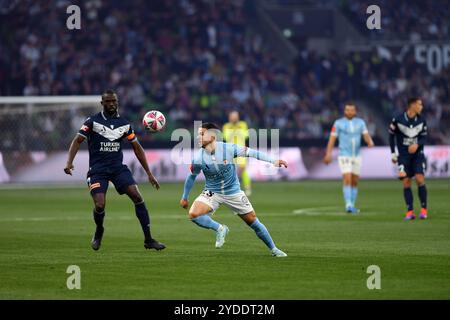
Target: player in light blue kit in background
216, 160
348, 130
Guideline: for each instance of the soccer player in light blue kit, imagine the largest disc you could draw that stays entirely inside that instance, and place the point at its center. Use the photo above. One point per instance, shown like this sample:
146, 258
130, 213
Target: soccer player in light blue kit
216, 160
348, 130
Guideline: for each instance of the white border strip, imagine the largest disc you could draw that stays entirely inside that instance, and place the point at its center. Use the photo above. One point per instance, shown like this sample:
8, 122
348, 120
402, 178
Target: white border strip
49, 99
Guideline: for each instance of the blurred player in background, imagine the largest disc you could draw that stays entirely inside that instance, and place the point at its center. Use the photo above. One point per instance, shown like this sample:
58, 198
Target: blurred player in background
409, 132
348, 130
215, 159
105, 132
236, 131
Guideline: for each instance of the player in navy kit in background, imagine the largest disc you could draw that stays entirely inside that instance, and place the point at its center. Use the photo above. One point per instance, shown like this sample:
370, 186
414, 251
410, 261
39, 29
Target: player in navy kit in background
105, 132
409, 131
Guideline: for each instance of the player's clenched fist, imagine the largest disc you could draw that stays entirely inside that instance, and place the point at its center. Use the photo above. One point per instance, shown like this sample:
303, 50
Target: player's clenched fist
68, 169
184, 203
327, 158
413, 148
280, 163
394, 158
153, 181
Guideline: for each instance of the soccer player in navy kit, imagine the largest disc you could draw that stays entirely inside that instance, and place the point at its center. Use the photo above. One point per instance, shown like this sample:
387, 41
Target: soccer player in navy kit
105, 132
409, 131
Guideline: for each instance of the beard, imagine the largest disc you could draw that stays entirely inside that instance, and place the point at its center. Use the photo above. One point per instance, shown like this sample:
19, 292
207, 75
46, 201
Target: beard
110, 112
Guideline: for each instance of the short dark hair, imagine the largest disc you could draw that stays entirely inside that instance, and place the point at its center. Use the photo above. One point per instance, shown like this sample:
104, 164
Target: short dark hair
412, 100
350, 103
209, 125
109, 91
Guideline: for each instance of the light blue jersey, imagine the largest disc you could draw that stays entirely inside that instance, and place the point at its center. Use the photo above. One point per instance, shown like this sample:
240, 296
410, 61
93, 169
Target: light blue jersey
219, 168
349, 134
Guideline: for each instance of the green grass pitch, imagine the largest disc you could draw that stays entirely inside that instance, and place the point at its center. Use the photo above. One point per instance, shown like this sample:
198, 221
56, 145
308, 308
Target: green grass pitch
44, 230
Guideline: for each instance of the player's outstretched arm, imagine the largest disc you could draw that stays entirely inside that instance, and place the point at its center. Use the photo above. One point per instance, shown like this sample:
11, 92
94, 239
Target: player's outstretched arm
280, 163
73, 150
252, 153
140, 155
328, 154
188, 184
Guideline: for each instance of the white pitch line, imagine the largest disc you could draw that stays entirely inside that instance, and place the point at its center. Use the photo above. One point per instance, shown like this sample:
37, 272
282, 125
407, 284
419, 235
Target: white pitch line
334, 211
128, 218
41, 219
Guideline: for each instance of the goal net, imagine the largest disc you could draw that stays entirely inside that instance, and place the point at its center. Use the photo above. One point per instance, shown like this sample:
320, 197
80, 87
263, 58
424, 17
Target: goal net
42, 123
35, 126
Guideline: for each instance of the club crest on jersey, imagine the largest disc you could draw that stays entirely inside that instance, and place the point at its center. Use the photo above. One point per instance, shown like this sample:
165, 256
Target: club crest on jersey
245, 201
410, 131
109, 133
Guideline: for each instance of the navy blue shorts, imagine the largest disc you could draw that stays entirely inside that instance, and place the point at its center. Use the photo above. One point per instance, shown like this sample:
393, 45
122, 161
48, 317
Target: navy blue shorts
412, 164
121, 177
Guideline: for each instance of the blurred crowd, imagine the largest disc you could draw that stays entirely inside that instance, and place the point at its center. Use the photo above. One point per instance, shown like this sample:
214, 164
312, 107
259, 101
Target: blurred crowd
385, 83
402, 19
197, 60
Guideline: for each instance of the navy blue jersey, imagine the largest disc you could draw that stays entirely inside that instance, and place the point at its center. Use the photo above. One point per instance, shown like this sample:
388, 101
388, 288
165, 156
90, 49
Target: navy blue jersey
408, 131
105, 135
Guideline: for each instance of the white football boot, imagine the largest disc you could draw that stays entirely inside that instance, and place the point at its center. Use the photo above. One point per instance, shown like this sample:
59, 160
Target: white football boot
221, 233
278, 253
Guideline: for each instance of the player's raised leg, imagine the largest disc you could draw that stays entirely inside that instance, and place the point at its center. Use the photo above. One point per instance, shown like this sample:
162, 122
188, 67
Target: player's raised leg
144, 219
422, 190
261, 231
199, 213
98, 215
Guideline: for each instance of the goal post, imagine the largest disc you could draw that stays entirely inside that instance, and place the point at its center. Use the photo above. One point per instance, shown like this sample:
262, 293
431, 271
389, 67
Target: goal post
42, 123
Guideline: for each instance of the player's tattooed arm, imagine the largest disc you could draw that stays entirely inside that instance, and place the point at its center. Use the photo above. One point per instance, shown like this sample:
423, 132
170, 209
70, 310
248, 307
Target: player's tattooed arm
368, 140
188, 184
327, 159
74, 147
140, 155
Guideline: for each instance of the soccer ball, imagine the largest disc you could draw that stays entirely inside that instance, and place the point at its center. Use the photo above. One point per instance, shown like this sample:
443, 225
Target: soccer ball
154, 121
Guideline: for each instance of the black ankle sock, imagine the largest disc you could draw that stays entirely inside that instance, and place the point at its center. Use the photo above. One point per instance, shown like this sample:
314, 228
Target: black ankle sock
423, 196
407, 193
98, 218
144, 219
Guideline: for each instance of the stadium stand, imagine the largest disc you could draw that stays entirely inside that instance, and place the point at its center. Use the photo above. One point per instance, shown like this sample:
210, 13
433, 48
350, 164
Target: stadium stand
198, 60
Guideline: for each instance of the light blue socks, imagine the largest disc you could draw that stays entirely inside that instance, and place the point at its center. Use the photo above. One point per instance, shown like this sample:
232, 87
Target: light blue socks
262, 233
347, 190
205, 221
354, 195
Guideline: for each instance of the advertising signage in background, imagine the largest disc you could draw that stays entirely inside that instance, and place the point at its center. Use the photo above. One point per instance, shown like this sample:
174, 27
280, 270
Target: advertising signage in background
48, 168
